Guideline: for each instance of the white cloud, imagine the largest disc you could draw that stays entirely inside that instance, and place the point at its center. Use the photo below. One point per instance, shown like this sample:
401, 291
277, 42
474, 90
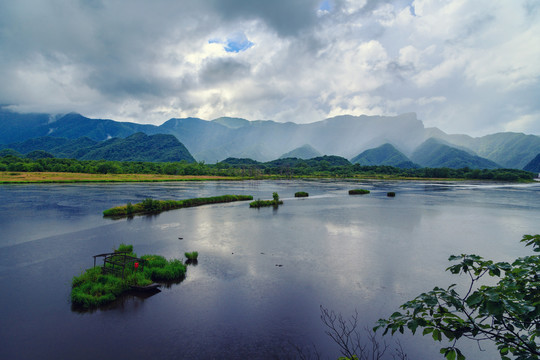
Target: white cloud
456, 63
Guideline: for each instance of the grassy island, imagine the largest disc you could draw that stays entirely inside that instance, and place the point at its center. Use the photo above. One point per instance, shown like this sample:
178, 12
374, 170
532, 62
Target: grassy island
263, 203
358, 192
100, 285
149, 206
301, 194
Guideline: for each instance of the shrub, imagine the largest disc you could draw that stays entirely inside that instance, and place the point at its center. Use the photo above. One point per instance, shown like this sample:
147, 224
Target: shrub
391, 194
301, 194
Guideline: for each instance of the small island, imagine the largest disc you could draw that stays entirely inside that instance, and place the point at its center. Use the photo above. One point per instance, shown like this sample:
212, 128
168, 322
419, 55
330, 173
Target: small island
150, 206
263, 203
301, 194
123, 271
358, 192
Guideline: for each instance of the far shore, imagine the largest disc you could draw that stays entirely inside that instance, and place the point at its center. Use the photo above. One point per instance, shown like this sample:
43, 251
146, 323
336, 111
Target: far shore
14, 177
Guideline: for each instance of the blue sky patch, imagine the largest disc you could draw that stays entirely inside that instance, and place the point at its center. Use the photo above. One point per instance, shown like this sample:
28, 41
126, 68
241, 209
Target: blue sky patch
235, 42
326, 5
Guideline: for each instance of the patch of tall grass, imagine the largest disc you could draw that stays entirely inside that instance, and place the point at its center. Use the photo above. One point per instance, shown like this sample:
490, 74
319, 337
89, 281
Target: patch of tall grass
262, 203
191, 255
158, 268
358, 192
150, 206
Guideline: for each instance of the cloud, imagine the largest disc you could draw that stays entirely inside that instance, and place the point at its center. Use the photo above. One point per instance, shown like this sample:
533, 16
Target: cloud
466, 67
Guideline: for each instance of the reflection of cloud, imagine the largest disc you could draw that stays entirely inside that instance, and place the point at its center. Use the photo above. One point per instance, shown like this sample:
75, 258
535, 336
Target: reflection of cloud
350, 230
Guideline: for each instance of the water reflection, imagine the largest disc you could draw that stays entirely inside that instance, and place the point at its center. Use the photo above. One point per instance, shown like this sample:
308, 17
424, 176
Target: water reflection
129, 301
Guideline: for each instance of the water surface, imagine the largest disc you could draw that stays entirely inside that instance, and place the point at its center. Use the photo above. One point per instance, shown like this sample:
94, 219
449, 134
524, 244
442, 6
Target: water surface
262, 274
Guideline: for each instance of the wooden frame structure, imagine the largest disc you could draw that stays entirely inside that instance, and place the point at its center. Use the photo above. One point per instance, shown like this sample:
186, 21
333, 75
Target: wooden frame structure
115, 262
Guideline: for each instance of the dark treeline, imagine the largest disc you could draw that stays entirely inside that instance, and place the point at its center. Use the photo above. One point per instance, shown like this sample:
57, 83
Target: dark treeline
325, 166
339, 167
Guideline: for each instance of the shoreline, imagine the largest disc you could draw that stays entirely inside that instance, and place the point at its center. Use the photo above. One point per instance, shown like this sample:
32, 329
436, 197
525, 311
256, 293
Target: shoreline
15, 177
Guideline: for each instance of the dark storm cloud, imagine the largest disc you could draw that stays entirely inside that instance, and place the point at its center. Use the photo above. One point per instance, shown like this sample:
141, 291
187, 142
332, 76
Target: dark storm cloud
223, 70
286, 17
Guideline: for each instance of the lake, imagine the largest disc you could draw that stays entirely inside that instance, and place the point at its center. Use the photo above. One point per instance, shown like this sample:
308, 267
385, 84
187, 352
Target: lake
262, 273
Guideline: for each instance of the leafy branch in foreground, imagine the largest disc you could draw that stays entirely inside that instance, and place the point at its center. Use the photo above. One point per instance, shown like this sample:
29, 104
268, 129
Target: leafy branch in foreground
507, 313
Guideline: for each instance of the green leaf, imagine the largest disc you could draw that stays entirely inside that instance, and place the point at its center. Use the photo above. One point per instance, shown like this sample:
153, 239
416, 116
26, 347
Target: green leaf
451, 355
474, 299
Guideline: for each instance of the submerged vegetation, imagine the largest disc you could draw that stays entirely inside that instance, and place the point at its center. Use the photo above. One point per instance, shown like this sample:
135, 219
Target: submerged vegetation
101, 285
358, 192
150, 206
263, 203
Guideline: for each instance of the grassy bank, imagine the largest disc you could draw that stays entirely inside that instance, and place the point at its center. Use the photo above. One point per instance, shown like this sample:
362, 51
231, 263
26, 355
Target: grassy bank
150, 206
93, 288
11, 177
21, 177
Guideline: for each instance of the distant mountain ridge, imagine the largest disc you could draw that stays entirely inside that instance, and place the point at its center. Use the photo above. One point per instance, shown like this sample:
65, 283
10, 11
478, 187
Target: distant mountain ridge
385, 154
303, 152
265, 140
533, 165
435, 153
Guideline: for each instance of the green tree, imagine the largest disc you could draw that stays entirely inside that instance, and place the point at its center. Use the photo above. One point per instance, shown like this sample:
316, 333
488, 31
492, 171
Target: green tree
507, 313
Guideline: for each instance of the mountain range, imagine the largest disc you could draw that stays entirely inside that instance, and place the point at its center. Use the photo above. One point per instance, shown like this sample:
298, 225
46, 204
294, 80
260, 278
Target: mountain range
265, 140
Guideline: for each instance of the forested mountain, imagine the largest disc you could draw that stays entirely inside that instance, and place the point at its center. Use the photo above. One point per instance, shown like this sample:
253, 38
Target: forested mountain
303, 152
16, 127
510, 150
212, 141
140, 147
385, 154
533, 165
435, 154
136, 147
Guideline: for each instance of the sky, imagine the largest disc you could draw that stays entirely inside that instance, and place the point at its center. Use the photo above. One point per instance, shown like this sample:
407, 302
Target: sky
464, 66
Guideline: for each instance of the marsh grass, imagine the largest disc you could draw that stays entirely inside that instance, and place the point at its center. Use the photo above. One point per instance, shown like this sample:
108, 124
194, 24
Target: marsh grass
92, 288
191, 255
358, 192
150, 206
